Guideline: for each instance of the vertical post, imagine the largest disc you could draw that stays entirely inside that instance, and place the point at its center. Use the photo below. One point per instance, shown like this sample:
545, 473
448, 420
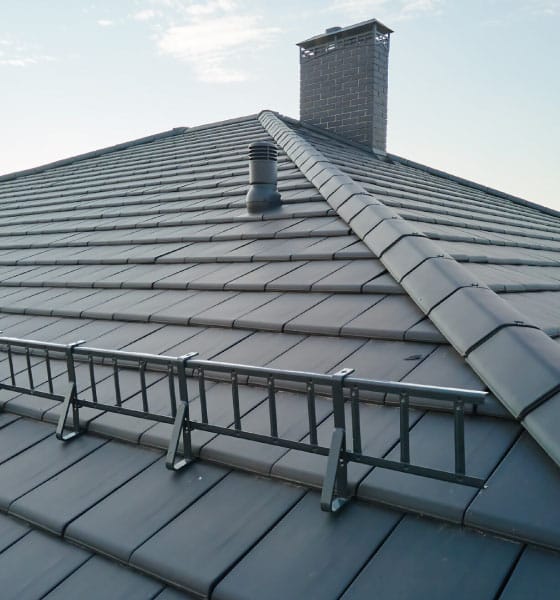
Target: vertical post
335, 494
182, 424
459, 410
405, 427
70, 400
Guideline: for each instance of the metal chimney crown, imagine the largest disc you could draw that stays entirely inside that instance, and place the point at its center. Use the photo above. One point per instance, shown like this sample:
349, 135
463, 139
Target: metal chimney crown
263, 192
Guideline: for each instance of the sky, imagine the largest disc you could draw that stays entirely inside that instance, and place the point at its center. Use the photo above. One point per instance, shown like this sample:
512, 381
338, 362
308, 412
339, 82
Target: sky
474, 86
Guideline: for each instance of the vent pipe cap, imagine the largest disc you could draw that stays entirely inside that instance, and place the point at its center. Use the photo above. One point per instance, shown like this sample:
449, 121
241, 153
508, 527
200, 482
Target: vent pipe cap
263, 179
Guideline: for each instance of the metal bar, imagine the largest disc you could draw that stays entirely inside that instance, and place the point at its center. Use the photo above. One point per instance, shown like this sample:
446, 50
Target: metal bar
11, 363
311, 412
49, 372
121, 410
202, 396
171, 384
235, 398
143, 390
117, 382
272, 408
29, 372
459, 422
262, 372
356, 425
35, 392
405, 428
418, 390
93, 384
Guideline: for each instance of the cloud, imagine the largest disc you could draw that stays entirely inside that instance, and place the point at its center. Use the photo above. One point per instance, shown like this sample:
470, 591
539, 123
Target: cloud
23, 61
209, 35
207, 43
105, 23
145, 15
15, 54
395, 10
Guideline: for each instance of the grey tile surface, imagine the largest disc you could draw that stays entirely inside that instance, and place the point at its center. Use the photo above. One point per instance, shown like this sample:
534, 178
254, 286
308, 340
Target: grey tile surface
422, 559
536, 576
330, 553
331, 315
39, 463
519, 365
521, 497
35, 564
64, 497
388, 319
11, 531
101, 578
133, 513
487, 440
20, 435
274, 315
237, 512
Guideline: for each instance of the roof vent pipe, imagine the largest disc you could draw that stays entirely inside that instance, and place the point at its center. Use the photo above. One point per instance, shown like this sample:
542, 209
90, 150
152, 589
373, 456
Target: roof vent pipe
263, 193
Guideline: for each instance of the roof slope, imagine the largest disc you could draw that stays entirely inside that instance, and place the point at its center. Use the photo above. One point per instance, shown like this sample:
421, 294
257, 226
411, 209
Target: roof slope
370, 263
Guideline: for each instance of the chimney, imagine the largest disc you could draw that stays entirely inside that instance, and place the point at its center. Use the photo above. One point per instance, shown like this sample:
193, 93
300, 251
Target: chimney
343, 82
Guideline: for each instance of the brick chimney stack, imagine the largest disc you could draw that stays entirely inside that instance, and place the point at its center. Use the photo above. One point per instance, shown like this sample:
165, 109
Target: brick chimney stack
343, 82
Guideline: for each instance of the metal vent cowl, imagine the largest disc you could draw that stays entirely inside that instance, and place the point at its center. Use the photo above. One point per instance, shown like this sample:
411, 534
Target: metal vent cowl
263, 179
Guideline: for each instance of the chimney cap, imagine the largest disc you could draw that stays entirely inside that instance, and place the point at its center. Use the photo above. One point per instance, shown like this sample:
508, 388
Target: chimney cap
332, 32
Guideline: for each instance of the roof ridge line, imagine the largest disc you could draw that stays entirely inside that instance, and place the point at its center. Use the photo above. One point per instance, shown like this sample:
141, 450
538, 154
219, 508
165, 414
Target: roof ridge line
94, 153
464, 310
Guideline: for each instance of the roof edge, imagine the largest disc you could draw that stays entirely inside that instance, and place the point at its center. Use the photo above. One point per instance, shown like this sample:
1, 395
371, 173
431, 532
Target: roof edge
435, 281
473, 184
94, 153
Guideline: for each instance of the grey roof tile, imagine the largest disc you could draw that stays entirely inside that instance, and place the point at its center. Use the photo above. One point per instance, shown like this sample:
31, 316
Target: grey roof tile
331, 315
521, 498
472, 314
227, 313
101, 578
35, 564
435, 562
40, 462
123, 521
274, 315
330, 553
238, 511
20, 435
536, 575
519, 365
260, 277
431, 443
10, 531
193, 303
435, 279
67, 495
390, 319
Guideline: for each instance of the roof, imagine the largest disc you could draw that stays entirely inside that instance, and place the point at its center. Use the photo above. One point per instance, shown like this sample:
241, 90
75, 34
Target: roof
371, 263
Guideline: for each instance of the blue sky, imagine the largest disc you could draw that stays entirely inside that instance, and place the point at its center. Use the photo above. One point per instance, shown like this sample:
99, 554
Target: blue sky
474, 86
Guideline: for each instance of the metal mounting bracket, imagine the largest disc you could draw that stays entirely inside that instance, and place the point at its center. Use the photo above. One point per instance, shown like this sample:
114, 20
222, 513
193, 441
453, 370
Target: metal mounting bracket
335, 494
181, 425
70, 400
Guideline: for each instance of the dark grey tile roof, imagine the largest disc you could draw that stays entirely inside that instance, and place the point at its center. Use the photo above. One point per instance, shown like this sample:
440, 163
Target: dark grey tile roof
372, 263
